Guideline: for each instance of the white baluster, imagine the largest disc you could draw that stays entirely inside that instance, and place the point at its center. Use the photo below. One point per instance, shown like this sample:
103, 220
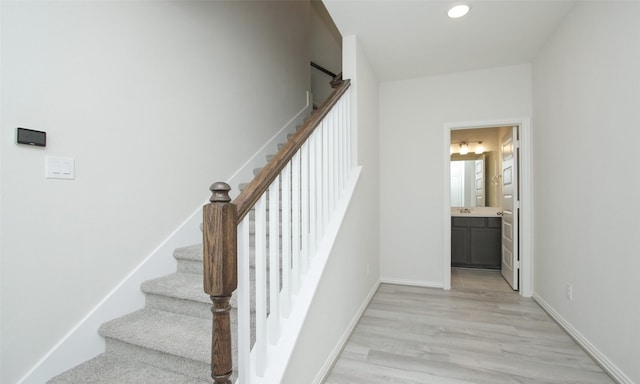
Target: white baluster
260, 346
304, 210
295, 220
313, 193
336, 155
319, 183
330, 163
286, 240
350, 149
325, 177
339, 157
244, 302
274, 261
343, 145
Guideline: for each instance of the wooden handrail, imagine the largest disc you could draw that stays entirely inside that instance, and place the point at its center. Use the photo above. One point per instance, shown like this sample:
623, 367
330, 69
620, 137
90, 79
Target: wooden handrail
336, 80
261, 182
323, 69
220, 230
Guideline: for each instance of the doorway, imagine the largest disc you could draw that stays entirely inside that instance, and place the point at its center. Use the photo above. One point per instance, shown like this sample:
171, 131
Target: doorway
522, 274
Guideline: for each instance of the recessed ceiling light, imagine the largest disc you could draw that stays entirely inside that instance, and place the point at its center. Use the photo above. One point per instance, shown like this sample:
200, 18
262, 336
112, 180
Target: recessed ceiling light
458, 11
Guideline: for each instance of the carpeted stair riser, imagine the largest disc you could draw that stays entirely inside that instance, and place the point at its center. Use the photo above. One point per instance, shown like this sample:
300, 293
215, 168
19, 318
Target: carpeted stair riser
189, 259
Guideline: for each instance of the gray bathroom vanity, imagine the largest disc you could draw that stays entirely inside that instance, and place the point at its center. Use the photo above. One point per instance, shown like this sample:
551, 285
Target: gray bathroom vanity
476, 240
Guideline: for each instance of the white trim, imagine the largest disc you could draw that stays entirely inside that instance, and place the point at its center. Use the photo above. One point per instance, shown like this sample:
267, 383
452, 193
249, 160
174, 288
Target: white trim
526, 197
607, 365
342, 342
413, 283
526, 209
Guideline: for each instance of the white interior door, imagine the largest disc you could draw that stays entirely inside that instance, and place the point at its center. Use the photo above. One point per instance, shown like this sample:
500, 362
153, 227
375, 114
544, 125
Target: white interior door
510, 208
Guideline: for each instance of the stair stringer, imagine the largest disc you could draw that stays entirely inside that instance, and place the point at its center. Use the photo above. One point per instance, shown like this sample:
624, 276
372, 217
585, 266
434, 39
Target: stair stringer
83, 342
280, 354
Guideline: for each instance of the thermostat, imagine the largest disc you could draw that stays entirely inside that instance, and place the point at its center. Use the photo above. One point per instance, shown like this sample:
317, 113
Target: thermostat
31, 137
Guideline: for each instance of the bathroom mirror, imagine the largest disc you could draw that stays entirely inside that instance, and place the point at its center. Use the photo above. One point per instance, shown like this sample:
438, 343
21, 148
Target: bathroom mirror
471, 182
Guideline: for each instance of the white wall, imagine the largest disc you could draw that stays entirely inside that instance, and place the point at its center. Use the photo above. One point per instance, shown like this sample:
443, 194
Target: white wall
412, 118
155, 101
325, 50
586, 95
351, 274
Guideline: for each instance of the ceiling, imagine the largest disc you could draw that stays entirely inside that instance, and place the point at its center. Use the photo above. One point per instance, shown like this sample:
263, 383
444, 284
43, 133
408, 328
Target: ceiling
415, 38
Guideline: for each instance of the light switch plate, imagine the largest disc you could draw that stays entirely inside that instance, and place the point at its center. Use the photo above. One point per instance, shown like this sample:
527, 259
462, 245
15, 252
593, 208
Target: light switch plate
59, 167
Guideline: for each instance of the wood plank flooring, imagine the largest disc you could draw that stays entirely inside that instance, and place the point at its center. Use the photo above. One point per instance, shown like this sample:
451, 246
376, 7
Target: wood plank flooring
479, 332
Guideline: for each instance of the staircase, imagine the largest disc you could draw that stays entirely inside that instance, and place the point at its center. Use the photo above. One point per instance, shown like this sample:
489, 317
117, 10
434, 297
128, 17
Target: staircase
169, 341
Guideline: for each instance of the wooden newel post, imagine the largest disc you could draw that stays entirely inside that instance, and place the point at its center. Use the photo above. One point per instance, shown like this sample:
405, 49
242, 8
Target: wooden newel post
220, 275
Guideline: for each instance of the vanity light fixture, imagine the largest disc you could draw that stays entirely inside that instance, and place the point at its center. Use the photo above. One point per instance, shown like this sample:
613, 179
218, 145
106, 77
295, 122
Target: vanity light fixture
464, 148
477, 147
458, 11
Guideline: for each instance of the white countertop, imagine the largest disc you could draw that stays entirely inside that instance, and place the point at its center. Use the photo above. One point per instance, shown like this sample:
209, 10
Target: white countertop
476, 212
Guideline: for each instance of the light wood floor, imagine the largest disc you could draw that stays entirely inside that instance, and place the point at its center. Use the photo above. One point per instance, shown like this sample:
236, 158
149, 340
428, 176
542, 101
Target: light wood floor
479, 332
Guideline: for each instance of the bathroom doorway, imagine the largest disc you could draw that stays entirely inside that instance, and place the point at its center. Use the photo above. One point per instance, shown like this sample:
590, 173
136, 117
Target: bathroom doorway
489, 193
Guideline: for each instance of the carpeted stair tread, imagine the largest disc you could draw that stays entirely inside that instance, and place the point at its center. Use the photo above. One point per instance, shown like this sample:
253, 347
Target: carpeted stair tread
167, 332
185, 286
110, 369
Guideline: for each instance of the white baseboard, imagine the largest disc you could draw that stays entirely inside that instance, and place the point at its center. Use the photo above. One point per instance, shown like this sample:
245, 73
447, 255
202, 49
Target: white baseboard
607, 365
335, 354
414, 283
83, 342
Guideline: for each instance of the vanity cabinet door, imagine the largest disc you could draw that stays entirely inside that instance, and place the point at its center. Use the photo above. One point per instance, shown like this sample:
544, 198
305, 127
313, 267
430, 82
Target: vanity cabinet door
485, 247
459, 246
